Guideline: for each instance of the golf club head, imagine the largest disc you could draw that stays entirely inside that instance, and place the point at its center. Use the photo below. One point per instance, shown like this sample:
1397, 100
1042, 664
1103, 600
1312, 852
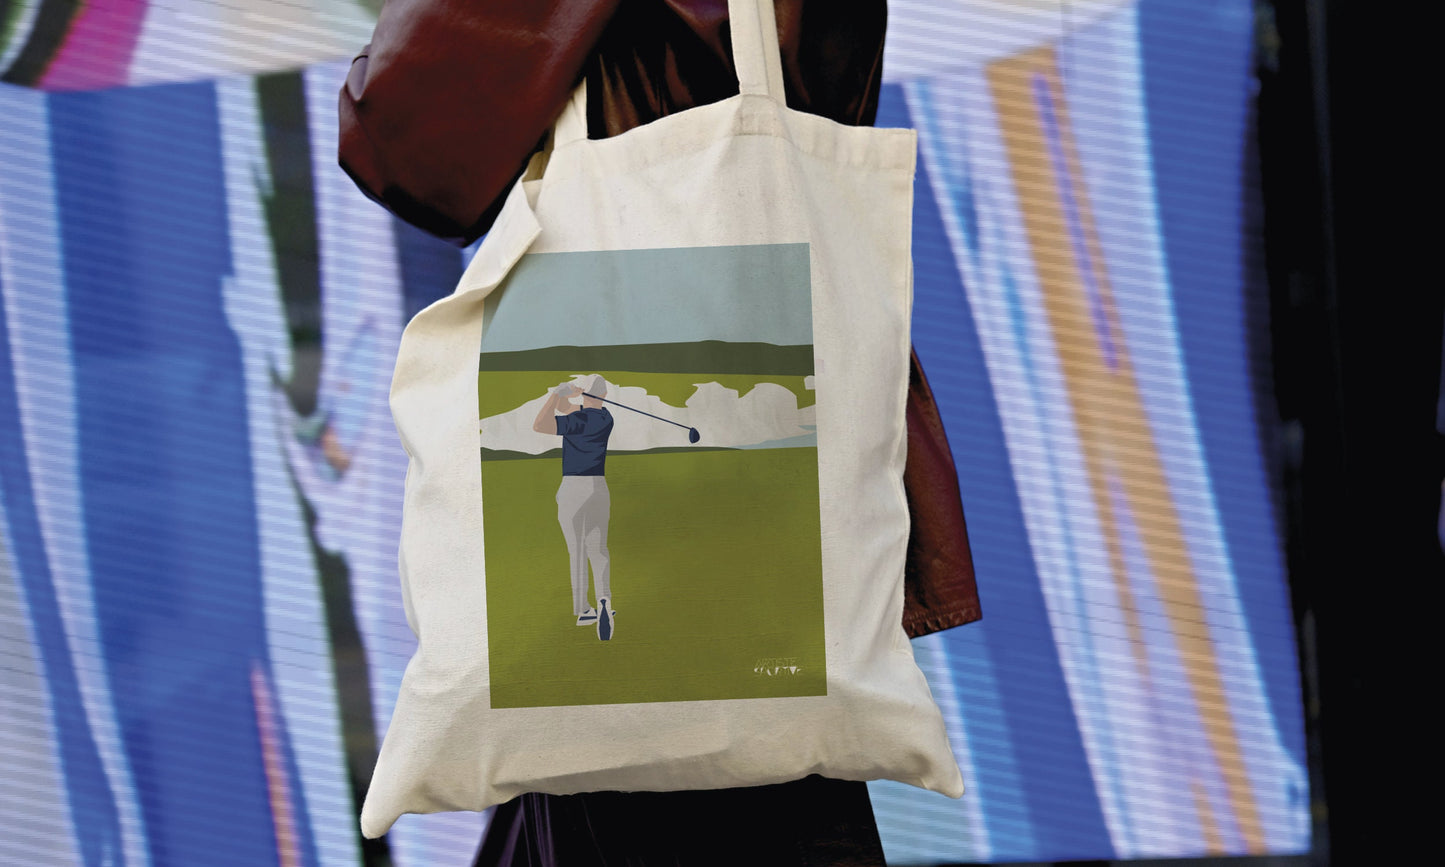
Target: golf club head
692, 435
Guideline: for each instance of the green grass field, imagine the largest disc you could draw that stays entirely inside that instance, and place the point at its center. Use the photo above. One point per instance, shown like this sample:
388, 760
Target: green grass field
716, 574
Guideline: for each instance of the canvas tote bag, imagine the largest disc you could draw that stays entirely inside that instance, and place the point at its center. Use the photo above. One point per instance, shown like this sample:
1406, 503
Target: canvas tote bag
654, 526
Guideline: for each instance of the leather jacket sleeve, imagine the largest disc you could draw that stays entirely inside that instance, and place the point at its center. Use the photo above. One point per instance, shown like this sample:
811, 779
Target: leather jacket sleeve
441, 110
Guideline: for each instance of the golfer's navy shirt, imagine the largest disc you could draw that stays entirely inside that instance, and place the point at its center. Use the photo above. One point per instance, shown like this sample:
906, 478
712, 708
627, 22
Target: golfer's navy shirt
584, 441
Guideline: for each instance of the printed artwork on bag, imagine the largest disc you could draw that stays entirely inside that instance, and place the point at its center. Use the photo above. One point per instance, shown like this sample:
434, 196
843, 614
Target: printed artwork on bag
649, 460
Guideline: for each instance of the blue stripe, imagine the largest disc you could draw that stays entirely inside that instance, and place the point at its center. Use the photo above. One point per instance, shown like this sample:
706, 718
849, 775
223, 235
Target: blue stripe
1034, 783
1197, 79
92, 804
429, 268
165, 463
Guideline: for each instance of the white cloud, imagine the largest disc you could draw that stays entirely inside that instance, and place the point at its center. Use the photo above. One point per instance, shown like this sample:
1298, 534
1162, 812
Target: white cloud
767, 414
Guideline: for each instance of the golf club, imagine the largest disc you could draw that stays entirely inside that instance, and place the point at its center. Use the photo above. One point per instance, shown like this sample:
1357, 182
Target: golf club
692, 434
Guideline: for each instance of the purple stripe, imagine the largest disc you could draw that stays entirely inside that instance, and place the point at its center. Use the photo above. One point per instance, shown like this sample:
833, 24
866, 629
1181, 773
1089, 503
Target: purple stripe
1044, 98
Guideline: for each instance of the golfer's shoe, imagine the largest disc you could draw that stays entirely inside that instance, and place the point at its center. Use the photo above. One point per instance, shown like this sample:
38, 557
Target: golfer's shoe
587, 618
605, 617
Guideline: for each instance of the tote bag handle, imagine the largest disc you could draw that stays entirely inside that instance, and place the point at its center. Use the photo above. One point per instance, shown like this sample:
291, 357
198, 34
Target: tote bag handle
753, 29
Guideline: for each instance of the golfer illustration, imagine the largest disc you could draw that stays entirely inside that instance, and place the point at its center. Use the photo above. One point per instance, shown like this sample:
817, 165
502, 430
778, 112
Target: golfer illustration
583, 503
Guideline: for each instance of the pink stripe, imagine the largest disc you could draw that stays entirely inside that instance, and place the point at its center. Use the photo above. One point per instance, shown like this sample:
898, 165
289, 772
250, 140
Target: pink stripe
98, 49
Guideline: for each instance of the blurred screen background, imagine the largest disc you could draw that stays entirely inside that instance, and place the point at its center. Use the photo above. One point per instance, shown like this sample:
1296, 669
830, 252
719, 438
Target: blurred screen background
201, 631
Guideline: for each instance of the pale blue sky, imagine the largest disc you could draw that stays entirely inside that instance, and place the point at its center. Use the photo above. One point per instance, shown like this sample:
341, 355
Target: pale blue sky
744, 294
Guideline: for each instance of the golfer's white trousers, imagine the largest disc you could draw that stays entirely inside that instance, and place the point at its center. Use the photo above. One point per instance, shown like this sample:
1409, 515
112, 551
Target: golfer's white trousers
583, 508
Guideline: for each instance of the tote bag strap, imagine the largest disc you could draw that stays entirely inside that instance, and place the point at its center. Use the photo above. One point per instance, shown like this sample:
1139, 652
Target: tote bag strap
572, 122
753, 28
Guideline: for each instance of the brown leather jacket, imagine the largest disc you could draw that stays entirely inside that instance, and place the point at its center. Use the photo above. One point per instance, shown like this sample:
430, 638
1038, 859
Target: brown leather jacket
441, 111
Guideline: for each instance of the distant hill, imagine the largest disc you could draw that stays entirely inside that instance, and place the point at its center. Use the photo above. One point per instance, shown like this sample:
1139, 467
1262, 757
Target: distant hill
702, 357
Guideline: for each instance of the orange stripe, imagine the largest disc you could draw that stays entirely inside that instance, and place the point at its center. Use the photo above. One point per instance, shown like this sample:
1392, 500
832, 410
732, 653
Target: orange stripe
1213, 841
288, 840
1109, 413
